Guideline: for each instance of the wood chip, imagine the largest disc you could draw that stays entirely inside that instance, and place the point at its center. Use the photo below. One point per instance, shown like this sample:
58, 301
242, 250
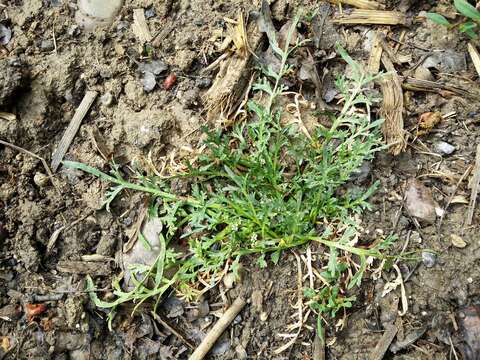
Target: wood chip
372, 17
373, 66
140, 27
472, 50
413, 84
392, 108
384, 343
228, 88
84, 267
361, 4
72, 129
475, 184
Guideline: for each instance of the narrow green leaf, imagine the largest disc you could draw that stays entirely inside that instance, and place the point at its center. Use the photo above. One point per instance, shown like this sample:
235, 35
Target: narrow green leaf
466, 9
144, 241
88, 169
437, 19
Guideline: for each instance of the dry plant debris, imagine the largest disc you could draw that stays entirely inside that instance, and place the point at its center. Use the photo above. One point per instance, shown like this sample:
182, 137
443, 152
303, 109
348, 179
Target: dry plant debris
259, 188
361, 4
392, 108
371, 17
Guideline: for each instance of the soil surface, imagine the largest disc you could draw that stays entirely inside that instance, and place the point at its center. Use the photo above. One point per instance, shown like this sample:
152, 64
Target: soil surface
53, 235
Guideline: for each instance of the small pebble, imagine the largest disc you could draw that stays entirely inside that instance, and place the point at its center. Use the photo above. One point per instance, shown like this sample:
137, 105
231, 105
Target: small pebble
203, 83
169, 81
429, 259
40, 179
47, 45
444, 148
107, 99
5, 35
150, 12
148, 81
263, 316
229, 280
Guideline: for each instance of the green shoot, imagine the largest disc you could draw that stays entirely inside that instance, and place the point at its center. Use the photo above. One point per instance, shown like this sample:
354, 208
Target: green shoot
469, 26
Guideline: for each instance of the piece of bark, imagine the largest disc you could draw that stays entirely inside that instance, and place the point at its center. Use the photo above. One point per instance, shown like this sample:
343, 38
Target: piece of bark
374, 60
382, 346
392, 108
228, 88
371, 17
140, 27
413, 84
361, 4
84, 267
72, 129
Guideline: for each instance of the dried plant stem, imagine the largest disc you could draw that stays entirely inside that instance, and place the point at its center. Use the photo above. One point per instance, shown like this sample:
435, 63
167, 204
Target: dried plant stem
218, 329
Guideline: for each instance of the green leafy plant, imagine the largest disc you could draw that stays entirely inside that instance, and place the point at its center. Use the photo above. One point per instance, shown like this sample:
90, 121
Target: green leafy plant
469, 26
261, 188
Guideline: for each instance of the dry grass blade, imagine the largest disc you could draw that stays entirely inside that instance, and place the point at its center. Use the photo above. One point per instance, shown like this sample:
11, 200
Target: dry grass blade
372, 17
361, 4
475, 185
375, 55
301, 318
238, 34
392, 108
472, 50
72, 128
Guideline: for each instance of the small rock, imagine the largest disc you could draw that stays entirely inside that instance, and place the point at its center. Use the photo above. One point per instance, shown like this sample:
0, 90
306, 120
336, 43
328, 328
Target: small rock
229, 280
415, 237
173, 307
221, 347
148, 81
330, 95
96, 13
47, 45
422, 73
469, 326
139, 254
106, 99
74, 30
169, 81
203, 83
40, 179
361, 174
10, 312
203, 308
446, 61
150, 12
5, 35
156, 67
241, 352
429, 259
263, 316
457, 241
419, 201
444, 148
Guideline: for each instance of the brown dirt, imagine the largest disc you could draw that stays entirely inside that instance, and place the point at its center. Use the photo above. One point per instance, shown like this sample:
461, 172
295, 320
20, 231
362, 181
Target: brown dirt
43, 87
